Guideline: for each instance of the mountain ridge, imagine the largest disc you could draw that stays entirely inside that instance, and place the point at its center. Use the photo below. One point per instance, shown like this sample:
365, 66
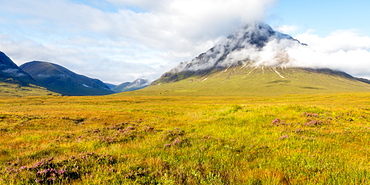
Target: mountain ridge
16, 82
61, 80
132, 86
11, 73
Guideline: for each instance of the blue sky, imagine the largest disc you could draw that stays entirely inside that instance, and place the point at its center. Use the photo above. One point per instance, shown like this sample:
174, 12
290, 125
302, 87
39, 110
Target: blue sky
122, 40
323, 16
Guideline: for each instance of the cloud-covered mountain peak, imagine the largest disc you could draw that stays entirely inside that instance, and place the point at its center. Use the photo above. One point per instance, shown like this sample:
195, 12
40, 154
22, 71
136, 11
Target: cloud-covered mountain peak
255, 43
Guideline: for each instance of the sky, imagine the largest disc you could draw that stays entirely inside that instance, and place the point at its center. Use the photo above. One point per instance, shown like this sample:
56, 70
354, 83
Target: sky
121, 40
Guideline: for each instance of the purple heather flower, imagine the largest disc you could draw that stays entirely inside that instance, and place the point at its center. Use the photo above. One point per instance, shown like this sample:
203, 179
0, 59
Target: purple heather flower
284, 137
176, 142
276, 121
23, 167
39, 181
130, 128
52, 178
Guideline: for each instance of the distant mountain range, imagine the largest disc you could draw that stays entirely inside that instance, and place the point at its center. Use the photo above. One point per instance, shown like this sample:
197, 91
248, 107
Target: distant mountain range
131, 86
16, 82
56, 78
61, 80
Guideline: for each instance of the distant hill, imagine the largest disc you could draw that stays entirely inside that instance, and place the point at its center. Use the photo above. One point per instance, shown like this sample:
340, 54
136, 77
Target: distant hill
15, 82
61, 80
252, 61
11, 73
120, 87
131, 86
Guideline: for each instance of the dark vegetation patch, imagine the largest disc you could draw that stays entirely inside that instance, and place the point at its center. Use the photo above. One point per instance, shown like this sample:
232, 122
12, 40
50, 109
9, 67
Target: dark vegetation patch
279, 81
176, 137
75, 120
313, 88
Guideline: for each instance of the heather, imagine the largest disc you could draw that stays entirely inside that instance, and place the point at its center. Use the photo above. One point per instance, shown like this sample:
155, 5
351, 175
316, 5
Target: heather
142, 139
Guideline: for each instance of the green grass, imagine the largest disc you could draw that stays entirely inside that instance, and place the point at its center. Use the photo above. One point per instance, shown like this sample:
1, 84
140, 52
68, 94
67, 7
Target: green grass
15, 90
125, 139
260, 81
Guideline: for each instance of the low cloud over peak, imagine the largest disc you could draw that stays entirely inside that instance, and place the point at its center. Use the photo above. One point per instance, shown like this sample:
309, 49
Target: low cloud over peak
344, 50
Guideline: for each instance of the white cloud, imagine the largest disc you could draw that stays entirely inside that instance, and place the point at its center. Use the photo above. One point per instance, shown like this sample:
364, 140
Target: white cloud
155, 35
343, 50
287, 29
145, 38
339, 40
141, 4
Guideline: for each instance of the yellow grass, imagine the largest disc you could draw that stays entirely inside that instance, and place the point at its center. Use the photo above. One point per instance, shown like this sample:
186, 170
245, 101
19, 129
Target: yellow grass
124, 139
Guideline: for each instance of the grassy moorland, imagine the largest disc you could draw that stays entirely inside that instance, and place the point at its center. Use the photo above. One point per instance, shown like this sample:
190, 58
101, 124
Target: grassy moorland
266, 81
16, 90
122, 139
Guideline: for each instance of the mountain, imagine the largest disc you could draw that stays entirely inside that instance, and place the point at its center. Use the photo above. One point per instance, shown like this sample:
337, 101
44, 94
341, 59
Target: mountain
61, 80
11, 73
253, 61
248, 46
15, 82
132, 86
120, 87
111, 86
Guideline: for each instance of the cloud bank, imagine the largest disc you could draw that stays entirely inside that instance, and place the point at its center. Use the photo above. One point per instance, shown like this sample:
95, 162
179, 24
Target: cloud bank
344, 50
122, 40
119, 40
